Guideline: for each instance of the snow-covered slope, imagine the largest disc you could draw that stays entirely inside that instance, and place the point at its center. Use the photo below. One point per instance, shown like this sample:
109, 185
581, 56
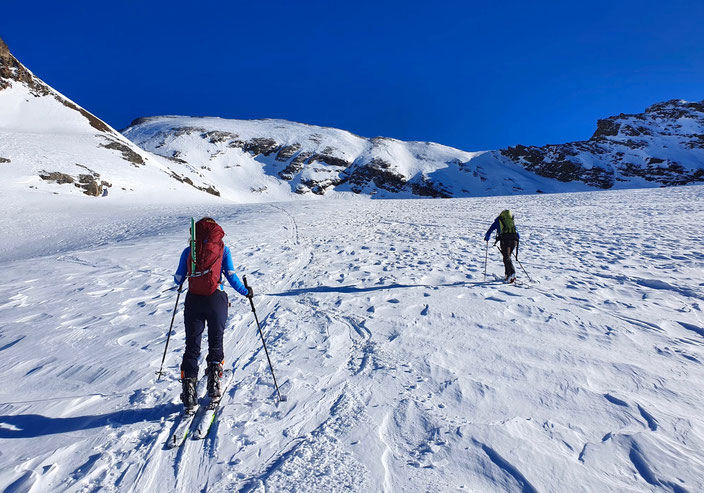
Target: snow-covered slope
407, 370
259, 160
49, 145
271, 159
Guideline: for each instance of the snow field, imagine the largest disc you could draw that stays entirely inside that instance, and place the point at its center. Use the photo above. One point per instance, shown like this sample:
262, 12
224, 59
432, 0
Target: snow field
404, 369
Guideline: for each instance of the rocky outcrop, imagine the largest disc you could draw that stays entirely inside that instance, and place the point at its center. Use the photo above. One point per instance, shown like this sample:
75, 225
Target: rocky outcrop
377, 173
128, 154
217, 136
287, 152
204, 188
625, 146
425, 187
294, 167
56, 177
670, 173
90, 182
261, 145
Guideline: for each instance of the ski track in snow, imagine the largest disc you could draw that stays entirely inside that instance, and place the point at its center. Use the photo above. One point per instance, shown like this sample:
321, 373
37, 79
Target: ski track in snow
404, 369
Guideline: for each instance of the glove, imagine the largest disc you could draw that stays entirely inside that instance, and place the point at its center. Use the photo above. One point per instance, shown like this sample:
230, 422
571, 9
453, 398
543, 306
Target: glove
250, 293
487, 237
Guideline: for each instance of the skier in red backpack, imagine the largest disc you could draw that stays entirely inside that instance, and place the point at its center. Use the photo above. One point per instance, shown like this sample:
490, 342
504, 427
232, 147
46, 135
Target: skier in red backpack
206, 301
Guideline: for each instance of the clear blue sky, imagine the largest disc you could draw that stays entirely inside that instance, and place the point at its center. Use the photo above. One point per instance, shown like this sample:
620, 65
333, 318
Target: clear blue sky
473, 75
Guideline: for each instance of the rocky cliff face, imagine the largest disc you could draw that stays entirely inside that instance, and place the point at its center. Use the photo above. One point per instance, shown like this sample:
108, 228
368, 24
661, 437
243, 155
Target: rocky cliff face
663, 146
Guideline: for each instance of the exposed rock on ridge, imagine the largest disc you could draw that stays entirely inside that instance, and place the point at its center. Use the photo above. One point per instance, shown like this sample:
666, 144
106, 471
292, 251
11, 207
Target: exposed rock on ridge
43, 134
662, 146
646, 145
12, 70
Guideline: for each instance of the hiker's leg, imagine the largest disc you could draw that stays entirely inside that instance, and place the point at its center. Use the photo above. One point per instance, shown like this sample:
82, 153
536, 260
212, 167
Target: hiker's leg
217, 318
195, 323
508, 263
506, 254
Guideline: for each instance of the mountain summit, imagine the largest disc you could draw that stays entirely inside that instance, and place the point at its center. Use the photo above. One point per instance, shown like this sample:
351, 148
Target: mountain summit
662, 146
49, 144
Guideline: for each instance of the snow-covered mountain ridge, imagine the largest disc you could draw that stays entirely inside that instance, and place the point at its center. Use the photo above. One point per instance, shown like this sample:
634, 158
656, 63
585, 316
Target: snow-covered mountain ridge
279, 158
662, 146
50, 145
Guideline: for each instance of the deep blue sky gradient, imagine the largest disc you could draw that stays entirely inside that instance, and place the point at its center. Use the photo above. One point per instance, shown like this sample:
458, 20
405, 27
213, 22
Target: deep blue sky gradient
473, 75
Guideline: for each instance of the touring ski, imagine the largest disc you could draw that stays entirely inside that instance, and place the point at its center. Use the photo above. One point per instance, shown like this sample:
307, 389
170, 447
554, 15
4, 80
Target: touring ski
183, 428
209, 415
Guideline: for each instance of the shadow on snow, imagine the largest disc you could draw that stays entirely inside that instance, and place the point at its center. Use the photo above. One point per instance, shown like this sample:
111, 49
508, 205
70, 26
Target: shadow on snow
355, 289
36, 425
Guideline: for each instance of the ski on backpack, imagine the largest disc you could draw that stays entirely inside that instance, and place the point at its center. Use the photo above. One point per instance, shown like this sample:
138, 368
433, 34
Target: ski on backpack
183, 428
210, 414
206, 257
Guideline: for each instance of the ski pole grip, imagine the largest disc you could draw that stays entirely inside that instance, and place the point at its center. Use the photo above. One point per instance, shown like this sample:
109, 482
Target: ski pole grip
246, 285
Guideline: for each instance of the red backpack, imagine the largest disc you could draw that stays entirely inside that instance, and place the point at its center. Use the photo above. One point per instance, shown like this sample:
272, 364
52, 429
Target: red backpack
209, 250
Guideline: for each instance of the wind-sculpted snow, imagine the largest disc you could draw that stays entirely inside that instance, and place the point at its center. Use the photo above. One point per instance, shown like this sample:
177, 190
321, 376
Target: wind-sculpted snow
404, 369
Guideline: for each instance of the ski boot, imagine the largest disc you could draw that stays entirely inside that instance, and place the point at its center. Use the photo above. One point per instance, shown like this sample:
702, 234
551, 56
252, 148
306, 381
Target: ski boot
188, 396
511, 278
214, 372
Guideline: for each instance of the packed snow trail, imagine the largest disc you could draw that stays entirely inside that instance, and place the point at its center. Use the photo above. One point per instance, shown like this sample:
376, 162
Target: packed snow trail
406, 370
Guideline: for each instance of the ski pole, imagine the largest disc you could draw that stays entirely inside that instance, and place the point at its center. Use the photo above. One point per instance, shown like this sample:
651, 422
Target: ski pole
173, 316
486, 256
524, 270
256, 319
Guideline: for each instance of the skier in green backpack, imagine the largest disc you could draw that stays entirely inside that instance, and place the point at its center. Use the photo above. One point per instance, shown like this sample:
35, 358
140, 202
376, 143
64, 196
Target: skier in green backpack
507, 235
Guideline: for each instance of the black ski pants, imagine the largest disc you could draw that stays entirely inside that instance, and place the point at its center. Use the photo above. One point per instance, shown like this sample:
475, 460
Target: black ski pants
199, 310
507, 248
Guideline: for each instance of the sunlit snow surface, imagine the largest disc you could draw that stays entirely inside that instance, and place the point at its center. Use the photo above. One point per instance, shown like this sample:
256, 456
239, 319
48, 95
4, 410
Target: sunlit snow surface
404, 369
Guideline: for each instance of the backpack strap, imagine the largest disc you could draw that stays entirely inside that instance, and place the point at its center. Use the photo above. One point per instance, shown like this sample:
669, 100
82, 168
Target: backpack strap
501, 229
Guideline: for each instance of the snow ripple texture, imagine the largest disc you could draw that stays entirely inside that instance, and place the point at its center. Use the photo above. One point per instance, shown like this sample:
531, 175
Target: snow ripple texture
405, 370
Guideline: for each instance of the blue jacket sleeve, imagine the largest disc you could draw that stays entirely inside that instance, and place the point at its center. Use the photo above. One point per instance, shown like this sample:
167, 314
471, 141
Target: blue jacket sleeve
182, 270
493, 227
228, 269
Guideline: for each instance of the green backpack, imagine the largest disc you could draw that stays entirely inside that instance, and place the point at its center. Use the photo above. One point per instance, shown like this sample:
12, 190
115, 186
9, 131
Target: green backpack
506, 224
